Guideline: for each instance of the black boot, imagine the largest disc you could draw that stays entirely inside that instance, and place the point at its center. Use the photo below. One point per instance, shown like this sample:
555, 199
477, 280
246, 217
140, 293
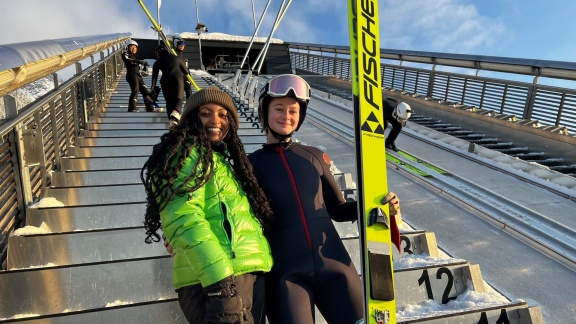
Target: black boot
391, 146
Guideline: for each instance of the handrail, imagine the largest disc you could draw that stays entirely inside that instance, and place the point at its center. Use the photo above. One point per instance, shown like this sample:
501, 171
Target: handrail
26, 112
534, 67
35, 138
23, 63
546, 107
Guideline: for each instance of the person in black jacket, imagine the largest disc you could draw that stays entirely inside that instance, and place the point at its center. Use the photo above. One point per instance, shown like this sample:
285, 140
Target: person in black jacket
134, 77
396, 113
311, 264
172, 82
179, 46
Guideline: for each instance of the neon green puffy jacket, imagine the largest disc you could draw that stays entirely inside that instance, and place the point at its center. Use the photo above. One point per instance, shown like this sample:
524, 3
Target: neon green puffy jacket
213, 230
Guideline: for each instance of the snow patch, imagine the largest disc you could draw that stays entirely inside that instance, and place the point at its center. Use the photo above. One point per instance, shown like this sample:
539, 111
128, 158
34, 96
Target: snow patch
422, 260
468, 300
224, 37
47, 202
21, 316
31, 230
118, 303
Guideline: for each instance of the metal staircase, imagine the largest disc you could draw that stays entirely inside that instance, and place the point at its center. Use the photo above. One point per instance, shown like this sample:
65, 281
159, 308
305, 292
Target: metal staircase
83, 259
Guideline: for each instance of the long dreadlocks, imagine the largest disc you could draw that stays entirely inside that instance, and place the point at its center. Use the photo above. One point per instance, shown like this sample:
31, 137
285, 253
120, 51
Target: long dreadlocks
164, 164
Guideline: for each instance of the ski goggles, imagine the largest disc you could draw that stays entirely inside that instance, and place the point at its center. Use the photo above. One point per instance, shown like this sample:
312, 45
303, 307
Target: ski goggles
281, 85
180, 43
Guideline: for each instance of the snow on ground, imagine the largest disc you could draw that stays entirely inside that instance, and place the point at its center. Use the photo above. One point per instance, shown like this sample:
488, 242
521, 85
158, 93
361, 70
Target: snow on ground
224, 37
47, 202
469, 300
30, 230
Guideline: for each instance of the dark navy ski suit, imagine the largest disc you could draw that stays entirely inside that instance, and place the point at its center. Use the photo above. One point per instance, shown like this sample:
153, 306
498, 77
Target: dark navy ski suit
172, 80
311, 264
135, 81
187, 85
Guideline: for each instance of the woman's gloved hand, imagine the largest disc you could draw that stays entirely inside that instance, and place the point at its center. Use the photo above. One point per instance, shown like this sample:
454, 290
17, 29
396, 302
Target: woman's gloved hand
222, 302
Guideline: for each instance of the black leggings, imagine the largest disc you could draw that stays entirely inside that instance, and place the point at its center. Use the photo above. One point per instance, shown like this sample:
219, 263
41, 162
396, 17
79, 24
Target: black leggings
396, 127
137, 85
173, 91
250, 289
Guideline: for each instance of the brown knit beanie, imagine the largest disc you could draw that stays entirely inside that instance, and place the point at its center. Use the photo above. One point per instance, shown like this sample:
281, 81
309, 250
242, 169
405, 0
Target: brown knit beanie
212, 94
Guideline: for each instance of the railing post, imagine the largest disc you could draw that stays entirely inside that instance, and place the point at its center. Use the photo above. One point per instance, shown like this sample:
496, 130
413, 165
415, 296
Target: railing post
22, 177
55, 79
504, 95
530, 99
66, 121
482, 95
447, 90
431, 81
560, 109
464, 91
334, 64
55, 137
75, 106
105, 67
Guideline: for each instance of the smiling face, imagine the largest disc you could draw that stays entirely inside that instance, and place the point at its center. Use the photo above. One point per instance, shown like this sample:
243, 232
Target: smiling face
133, 49
214, 118
283, 116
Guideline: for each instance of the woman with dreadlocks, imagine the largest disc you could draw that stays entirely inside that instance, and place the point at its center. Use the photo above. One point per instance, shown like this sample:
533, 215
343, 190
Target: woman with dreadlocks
201, 191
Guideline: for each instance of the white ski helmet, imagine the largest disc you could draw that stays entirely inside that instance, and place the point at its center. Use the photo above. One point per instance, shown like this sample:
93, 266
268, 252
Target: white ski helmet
132, 42
402, 112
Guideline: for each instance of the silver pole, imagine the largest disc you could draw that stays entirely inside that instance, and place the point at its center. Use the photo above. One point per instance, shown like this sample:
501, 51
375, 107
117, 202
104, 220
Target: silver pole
264, 50
199, 31
254, 16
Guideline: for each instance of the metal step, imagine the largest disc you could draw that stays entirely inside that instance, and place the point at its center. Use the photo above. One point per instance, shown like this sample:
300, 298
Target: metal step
122, 133
101, 164
77, 248
87, 218
98, 152
441, 283
61, 179
161, 311
145, 141
158, 126
93, 196
45, 291
514, 312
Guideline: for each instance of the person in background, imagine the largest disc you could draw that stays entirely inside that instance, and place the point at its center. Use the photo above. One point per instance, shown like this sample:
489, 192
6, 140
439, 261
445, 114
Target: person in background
134, 77
179, 46
396, 113
311, 264
172, 82
202, 192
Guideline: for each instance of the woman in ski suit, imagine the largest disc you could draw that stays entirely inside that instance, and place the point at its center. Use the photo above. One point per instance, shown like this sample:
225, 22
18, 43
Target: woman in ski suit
134, 77
311, 264
172, 81
202, 192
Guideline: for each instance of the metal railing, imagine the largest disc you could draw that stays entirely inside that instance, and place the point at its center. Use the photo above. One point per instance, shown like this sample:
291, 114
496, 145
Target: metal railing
551, 107
35, 138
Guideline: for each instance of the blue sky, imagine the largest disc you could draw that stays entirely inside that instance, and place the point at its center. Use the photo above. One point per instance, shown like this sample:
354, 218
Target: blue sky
513, 28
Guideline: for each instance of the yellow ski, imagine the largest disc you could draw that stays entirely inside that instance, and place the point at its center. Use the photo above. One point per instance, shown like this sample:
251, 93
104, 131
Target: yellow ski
165, 40
375, 239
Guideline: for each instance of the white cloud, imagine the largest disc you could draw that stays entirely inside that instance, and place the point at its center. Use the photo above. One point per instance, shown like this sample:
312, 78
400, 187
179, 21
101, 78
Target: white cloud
31, 20
441, 26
